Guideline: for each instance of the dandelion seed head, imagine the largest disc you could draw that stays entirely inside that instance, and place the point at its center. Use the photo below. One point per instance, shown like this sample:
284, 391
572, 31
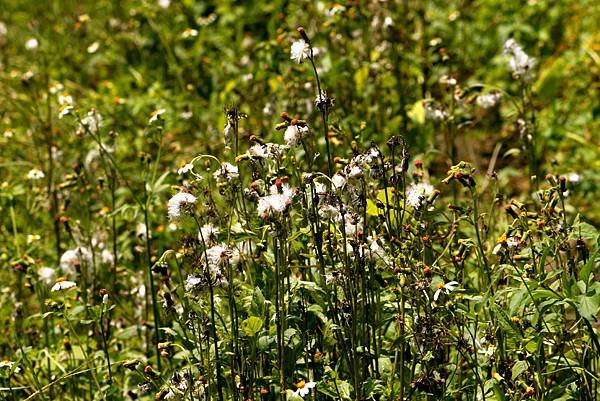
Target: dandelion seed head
226, 173
418, 193
180, 204
299, 51
74, 258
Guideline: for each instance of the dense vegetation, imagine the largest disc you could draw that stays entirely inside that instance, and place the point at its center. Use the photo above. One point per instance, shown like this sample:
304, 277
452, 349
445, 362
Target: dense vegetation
274, 200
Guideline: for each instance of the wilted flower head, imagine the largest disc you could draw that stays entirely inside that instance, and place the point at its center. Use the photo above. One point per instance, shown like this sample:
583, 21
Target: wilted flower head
277, 203
294, 133
488, 100
300, 51
91, 122
193, 283
46, 274
418, 193
208, 233
226, 172
324, 101
74, 258
180, 204
519, 63
218, 259
338, 181
435, 113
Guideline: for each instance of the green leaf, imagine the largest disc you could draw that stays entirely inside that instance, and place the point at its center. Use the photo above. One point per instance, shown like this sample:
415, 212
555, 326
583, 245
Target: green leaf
588, 305
252, 326
417, 112
518, 368
360, 77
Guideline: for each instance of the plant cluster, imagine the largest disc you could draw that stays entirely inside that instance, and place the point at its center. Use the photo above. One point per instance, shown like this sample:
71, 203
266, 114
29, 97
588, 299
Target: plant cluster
335, 245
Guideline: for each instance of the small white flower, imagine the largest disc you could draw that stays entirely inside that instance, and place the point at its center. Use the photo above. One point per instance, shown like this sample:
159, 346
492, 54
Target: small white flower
35, 174
54, 87
9, 364
418, 193
93, 48
155, 115
488, 100
63, 285
164, 4
3, 29
388, 22
208, 233
65, 98
189, 33
91, 122
435, 113
185, 169
448, 80
179, 204
107, 257
65, 102
513, 242
193, 283
446, 288
31, 44
519, 62
303, 388
574, 177
271, 205
300, 51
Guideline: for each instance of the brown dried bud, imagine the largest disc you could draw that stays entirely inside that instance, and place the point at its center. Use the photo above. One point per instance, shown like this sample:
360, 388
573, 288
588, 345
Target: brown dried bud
302, 33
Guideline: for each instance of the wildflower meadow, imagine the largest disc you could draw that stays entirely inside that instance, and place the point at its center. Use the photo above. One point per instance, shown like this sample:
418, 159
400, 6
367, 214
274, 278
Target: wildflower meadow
299, 200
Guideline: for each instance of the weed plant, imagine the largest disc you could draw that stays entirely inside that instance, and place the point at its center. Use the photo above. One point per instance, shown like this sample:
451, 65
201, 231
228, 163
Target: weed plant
201, 201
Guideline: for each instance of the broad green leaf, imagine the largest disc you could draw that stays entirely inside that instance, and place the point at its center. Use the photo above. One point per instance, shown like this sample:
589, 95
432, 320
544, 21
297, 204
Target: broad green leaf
417, 112
518, 368
252, 326
588, 305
